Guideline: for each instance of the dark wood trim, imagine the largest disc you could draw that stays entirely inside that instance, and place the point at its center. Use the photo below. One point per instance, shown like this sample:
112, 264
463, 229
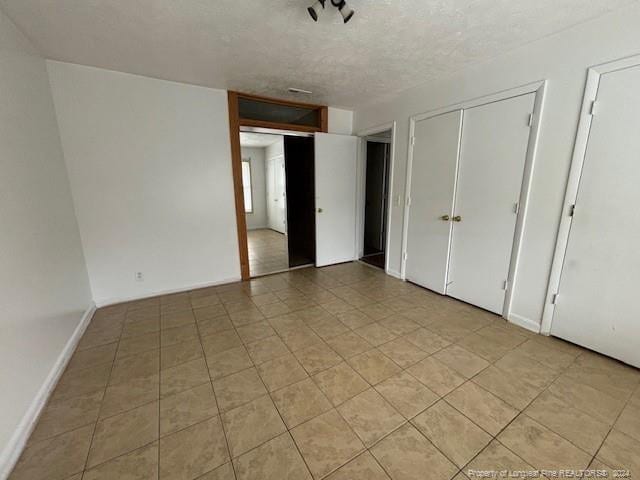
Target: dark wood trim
236, 166
324, 119
236, 156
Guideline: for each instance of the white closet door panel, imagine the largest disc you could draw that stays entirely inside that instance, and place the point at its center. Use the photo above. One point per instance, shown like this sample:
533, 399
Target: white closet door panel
597, 306
335, 172
493, 153
433, 175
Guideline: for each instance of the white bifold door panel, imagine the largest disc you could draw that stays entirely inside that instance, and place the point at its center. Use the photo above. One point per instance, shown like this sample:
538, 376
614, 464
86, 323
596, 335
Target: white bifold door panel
433, 177
597, 305
335, 182
276, 194
493, 152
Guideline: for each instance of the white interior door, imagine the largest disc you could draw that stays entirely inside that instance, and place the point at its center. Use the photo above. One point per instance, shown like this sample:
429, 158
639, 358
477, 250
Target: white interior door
493, 152
597, 305
335, 179
433, 178
276, 194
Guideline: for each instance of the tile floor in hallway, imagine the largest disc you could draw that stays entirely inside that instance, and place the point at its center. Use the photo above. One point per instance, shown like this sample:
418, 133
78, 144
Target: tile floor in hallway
340, 373
267, 251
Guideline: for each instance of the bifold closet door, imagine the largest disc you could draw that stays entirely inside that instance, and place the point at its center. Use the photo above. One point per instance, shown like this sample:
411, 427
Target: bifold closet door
433, 180
597, 304
336, 160
493, 152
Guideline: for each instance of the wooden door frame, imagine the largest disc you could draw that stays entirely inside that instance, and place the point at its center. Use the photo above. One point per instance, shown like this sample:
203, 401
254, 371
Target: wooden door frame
235, 122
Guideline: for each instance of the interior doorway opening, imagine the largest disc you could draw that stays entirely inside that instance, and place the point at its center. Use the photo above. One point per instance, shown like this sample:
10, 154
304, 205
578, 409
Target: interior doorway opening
376, 207
279, 199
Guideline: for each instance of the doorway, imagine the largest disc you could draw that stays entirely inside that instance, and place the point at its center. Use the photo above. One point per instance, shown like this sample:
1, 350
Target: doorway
378, 159
279, 202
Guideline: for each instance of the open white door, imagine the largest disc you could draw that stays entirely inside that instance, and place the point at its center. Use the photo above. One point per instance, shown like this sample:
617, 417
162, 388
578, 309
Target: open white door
335, 182
433, 179
495, 138
597, 305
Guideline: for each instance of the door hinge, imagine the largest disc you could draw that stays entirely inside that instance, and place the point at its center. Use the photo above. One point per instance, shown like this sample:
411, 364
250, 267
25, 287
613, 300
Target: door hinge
572, 210
505, 285
554, 299
593, 108
516, 208
530, 120
413, 141
408, 201
404, 255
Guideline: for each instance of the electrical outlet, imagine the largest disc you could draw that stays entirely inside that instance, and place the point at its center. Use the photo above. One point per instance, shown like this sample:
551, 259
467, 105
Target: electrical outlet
139, 276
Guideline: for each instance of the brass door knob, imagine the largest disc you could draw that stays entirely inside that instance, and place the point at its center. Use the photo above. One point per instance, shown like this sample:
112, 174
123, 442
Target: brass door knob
445, 218
457, 218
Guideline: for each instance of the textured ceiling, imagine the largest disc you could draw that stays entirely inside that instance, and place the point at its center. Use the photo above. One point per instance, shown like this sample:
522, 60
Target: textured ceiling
265, 46
250, 139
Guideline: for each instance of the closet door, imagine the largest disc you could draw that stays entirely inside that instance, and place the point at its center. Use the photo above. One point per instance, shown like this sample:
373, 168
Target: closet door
335, 165
597, 305
433, 179
492, 158
276, 200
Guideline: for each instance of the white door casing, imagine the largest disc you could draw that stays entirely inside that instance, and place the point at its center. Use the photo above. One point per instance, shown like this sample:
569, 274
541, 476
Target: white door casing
493, 152
335, 183
433, 179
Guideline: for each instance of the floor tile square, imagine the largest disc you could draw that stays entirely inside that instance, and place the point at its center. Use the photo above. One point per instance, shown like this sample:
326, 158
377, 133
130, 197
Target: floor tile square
620, 451
139, 344
55, 458
237, 389
462, 361
228, 362
126, 396
141, 464
299, 338
255, 331
427, 341
340, 383
509, 386
187, 408
349, 344
375, 334
540, 447
407, 455
482, 407
363, 467
496, 457
183, 377
135, 367
317, 357
406, 394
370, 416
251, 425
220, 342
180, 353
123, 433
326, 442
194, 451
267, 349
278, 459
300, 402
280, 372
402, 352
436, 376
374, 366
452, 433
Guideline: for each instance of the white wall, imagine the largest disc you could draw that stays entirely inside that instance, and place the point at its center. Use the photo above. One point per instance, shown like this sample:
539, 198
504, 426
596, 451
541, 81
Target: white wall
340, 121
44, 289
150, 171
562, 59
258, 218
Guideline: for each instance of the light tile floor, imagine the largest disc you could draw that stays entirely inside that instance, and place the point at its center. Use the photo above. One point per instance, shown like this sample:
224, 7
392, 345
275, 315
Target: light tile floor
268, 251
340, 373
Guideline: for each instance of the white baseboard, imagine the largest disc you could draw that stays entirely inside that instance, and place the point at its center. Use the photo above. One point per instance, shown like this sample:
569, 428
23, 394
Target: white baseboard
9, 457
103, 302
523, 322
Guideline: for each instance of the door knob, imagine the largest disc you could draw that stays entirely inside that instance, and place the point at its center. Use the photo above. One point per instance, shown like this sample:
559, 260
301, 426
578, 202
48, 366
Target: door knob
319, 210
457, 218
445, 218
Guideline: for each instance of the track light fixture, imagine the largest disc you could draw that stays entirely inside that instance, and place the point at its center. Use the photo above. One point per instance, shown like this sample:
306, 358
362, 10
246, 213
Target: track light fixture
314, 9
346, 11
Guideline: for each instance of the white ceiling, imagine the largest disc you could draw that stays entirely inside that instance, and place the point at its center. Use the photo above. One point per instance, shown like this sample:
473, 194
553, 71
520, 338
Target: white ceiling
267, 46
257, 140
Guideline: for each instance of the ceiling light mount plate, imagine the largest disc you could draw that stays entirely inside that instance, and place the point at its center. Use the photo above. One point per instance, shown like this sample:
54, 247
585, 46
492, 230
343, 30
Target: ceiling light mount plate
346, 11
